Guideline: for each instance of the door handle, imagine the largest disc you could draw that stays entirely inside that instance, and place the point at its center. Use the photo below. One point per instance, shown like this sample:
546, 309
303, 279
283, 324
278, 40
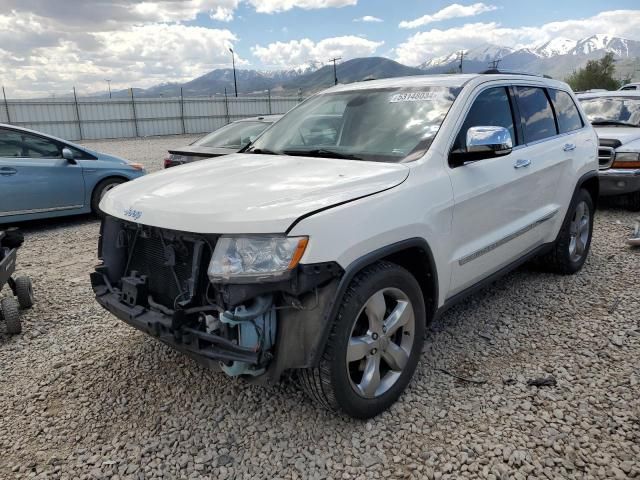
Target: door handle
6, 171
569, 147
522, 163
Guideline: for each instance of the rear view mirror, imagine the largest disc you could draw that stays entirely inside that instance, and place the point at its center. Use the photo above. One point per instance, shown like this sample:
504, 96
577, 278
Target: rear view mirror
67, 154
483, 142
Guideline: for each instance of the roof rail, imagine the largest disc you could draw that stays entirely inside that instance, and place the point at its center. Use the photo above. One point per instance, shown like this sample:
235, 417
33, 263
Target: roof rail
495, 71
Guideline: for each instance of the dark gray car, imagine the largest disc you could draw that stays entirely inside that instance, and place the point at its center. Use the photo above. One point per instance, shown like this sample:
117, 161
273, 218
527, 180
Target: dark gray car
224, 141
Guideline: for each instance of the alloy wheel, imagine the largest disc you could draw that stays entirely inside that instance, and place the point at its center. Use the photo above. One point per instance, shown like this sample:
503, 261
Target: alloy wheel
380, 343
579, 231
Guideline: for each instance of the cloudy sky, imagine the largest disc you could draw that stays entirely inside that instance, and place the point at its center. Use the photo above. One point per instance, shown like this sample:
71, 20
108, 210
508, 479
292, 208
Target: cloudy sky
47, 46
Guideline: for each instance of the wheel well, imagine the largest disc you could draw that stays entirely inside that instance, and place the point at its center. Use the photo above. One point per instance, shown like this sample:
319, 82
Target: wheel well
420, 264
592, 185
111, 177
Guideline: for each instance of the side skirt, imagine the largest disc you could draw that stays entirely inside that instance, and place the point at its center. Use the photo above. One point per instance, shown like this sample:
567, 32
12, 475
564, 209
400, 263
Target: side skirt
458, 297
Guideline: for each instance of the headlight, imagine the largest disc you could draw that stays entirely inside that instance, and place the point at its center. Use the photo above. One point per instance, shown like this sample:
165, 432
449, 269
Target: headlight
626, 160
251, 257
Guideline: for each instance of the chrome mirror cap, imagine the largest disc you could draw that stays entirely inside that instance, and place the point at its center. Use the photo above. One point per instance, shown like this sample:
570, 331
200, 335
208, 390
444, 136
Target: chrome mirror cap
496, 140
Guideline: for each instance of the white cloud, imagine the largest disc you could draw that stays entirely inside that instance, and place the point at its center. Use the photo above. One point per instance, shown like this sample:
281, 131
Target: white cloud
435, 42
273, 6
134, 57
299, 52
454, 10
368, 19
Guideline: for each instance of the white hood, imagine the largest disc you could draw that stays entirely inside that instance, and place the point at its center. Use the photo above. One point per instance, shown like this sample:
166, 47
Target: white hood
247, 193
624, 134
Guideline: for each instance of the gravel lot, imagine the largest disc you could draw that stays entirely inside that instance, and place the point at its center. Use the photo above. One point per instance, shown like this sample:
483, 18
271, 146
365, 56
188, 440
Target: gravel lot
82, 395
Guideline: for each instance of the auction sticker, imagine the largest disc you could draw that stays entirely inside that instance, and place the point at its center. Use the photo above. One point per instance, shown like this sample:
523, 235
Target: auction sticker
412, 97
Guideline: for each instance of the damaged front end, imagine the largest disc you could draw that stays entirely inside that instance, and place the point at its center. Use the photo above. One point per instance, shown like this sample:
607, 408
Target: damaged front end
156, 281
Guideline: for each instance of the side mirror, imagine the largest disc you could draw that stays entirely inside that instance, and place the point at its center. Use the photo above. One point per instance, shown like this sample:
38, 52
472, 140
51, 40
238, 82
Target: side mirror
67, 154
484, 142
495, 141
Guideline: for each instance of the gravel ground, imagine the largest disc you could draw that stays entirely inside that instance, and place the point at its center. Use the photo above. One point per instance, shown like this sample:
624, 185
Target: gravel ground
82, 395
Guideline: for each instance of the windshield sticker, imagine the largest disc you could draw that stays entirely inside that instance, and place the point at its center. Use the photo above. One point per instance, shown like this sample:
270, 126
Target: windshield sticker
412, 97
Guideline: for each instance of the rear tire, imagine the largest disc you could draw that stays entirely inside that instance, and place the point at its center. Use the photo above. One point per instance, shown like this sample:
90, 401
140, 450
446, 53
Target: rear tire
24, 292
11, 315
100, 191
374, 345
571, 248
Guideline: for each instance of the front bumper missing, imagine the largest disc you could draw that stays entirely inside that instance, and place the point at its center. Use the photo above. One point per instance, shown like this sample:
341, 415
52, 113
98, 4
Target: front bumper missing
619, 181
206, 348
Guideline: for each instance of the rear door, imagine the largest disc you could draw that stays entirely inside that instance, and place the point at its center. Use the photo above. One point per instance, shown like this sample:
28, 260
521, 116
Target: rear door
34, 178
501, 203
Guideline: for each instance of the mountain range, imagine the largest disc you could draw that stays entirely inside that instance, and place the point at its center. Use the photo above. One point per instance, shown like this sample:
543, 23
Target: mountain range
557, 58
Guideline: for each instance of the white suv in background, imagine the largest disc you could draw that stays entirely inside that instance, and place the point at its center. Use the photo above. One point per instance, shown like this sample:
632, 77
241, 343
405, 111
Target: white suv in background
616, 118
328, 250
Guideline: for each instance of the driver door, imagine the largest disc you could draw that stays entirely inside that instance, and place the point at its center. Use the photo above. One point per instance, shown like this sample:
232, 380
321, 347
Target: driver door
34, 178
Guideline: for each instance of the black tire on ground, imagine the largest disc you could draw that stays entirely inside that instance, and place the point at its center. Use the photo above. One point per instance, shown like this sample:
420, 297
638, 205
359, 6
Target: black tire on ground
632, 201
331, 384
559, 259
11, 315
101, 189
24, 292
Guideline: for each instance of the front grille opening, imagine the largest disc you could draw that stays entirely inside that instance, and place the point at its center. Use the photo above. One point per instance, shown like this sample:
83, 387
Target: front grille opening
173, 262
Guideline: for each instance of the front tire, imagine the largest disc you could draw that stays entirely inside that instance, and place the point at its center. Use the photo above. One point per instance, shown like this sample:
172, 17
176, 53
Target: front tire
571, 249
24, 292
374, 345
100, 191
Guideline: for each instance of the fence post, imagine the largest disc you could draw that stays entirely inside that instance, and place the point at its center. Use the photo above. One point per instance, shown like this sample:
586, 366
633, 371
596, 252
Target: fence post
6, 105
269, 97
226, 105
182, 111
133, 107
75, 100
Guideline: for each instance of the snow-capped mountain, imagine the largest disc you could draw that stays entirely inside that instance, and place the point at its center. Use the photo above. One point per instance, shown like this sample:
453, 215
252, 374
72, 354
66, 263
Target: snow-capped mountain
554, 47
581, 50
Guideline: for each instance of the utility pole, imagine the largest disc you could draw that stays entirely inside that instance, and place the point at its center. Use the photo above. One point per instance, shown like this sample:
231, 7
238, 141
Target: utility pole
233, 61
493, 64
6, 105
335, 71
461, 58
108, 86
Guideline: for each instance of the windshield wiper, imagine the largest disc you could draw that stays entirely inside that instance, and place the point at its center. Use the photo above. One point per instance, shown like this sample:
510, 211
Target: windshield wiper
263, 151
321, 152
614, 122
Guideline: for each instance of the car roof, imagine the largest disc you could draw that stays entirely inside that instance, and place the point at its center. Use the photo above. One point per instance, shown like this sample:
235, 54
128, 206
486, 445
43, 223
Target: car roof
445, 80
261, 118
42, 134
610, 93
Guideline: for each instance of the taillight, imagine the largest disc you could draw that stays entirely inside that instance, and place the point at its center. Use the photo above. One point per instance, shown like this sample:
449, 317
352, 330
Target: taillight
167, 162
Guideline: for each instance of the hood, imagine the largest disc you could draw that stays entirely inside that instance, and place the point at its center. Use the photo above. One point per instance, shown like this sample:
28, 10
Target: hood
247, 193
195, 150
624, 134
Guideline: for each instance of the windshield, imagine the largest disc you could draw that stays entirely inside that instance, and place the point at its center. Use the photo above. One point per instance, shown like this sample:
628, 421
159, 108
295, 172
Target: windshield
235, 135
612, 110
384, 125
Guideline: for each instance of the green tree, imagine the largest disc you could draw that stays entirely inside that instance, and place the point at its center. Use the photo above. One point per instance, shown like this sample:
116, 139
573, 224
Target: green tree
596, 74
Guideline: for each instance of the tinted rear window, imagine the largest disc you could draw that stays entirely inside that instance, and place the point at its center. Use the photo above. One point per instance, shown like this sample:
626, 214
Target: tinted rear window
566, 111
536, 114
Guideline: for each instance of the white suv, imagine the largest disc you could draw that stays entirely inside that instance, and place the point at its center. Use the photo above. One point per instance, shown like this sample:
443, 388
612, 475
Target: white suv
328, 245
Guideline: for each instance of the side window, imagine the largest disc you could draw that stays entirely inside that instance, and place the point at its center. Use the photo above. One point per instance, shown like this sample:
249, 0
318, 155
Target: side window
39, 147
19, 144
566, 111
536, 114
491, 109
10, 144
